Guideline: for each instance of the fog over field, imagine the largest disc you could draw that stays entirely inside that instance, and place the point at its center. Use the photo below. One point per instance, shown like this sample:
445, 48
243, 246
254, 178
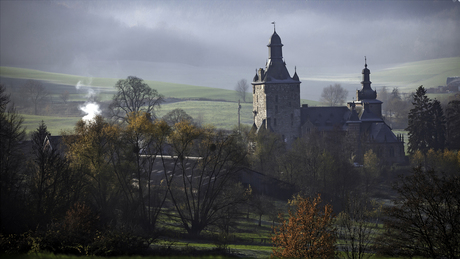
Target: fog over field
216, 43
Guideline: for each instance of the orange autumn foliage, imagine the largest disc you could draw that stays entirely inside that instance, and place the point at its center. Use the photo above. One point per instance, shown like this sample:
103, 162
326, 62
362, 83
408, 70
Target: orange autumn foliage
307, 233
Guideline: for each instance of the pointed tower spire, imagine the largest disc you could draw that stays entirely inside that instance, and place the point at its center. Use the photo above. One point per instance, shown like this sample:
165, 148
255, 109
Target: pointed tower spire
366, 91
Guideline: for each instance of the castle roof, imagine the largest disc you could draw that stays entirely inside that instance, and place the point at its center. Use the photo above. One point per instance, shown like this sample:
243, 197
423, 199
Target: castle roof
366, 91
275, 40
380, 132
275, 70
325, 118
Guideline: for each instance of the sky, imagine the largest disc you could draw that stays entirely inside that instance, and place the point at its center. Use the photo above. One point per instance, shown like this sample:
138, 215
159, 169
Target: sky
217, 43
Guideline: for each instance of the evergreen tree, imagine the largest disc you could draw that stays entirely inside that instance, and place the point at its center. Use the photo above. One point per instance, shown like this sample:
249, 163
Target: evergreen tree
421, 122
439, 129
12, 133
453, 124
53, 187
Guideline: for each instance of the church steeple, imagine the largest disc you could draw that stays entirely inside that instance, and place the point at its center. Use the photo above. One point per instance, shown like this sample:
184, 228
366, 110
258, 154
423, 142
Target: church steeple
366, 91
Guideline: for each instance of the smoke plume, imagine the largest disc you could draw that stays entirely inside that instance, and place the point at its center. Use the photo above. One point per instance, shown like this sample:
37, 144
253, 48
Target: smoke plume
90, 108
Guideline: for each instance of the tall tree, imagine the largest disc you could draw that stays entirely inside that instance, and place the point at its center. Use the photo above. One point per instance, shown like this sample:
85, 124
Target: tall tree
53, 186
453, 124
307, 233
334, 95
241, 89
11, 165
133, 95
201, 175
439, 129
36, 93
147, 141
425, 220
89, 149
354, 226
420, 123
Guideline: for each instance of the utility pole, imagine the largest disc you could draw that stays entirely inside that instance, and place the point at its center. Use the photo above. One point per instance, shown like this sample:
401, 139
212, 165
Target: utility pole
239, 109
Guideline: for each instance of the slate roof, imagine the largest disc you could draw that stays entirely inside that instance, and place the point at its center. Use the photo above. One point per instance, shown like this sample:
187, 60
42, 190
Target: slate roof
380, 132
325, 118
275, 70
368, 116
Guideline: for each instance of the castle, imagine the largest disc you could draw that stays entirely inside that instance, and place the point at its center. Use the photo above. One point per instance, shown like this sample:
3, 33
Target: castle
276, 107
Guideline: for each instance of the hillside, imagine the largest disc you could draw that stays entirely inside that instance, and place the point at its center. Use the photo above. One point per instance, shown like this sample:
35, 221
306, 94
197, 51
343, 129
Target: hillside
106, 84
408, 76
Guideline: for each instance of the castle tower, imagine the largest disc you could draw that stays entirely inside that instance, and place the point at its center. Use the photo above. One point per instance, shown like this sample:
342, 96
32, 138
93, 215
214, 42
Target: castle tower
276, 95
366, 97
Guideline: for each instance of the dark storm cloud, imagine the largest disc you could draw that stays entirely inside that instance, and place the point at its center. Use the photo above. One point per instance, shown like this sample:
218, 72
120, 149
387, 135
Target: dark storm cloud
48, 34
72, 36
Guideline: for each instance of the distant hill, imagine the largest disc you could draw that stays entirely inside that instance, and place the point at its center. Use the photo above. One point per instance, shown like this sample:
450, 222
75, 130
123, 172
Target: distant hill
408, 76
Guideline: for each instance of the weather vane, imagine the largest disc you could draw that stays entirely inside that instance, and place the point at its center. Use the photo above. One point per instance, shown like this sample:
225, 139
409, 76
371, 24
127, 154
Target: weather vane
274, 29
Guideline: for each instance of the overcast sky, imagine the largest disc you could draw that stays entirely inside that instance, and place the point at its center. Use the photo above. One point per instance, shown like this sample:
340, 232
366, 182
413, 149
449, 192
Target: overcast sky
222, 41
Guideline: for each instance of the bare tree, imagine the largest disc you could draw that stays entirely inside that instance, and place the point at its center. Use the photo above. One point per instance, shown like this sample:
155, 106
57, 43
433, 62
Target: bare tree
355, 228
64, 96
177, 115
200, 176
241, 89
425, 218
334, 95
133, 95
35, 92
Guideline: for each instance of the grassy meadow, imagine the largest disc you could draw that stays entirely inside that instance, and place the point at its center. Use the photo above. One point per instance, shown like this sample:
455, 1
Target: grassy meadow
210, 106
408, 76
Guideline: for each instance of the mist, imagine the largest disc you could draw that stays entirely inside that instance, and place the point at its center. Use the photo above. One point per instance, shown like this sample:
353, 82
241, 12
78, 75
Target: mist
216, 43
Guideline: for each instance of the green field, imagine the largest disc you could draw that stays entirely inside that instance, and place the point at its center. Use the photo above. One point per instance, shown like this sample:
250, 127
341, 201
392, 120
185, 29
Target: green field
223, 115
107, 84
429, 73
210, 106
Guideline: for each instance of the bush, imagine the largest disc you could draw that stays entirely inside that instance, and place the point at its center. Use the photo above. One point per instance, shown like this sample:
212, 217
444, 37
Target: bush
116, 243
